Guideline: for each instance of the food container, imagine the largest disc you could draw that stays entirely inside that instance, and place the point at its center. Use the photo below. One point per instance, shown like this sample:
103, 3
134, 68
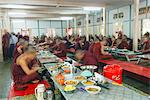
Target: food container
69, 89
71, 82
80, 78
93, 89
88, 82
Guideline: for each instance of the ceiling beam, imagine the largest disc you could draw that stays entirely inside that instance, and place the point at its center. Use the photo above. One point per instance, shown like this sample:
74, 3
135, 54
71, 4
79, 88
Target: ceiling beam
51, 3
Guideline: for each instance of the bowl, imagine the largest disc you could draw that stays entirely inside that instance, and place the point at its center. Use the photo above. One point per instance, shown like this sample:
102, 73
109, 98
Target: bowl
88, 67
80, 78
71, 82
69, 89
88, 82
93, 89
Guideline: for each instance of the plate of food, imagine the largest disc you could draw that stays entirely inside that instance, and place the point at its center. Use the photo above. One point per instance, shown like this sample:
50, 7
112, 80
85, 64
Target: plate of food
65, 67
80, 78
88, 82
93, 89
69, 88
71, 82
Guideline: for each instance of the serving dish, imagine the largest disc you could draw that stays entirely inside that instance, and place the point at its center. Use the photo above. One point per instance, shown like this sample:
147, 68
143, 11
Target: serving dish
88, 82
71, 82
93, 89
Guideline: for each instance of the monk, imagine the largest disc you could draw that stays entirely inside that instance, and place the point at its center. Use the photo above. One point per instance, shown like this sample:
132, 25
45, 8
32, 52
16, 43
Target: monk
82, 44
86, 57
21, 46
59, 49
146, 45
97, 48
22, 72
121, 42
5, 44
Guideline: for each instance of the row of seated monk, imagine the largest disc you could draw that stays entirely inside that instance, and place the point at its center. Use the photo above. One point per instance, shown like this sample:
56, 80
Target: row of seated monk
26, 68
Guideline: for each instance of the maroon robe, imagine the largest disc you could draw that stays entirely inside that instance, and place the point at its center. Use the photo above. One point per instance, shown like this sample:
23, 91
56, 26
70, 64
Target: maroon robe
95, 49
89, 59
62, 49
123, 45
20, 77
16, 54
146, 46
5, 43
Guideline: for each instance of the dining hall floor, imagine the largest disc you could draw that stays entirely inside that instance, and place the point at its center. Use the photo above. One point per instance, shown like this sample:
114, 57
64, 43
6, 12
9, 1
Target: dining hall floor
5, 79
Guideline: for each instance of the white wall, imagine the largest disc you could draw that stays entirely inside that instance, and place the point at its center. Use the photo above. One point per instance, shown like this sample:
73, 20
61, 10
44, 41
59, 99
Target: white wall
39, 27
127, 20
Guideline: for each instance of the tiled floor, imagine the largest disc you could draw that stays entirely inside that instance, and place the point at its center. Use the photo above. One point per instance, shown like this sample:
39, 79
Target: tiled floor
5, 78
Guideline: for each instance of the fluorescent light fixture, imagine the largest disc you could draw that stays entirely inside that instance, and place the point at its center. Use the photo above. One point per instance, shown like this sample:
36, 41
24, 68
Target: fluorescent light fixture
18, 21
92, 8
15, 6
16, 13
66, 18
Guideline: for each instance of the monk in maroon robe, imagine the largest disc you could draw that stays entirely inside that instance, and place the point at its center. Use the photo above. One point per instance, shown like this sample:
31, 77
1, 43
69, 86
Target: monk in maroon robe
19, 49
22, 72
5, 43
146, 45
60, 49
97, 49
86, 57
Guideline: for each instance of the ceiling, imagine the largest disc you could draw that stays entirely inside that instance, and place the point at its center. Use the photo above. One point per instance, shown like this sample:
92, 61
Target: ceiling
55, 8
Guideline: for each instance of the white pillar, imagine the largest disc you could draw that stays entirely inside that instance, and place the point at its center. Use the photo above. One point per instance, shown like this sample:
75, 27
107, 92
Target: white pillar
136, 24
1, 49
87, 27
75, 25
30, 35
104, 22
67, 24
67, 27
6, 20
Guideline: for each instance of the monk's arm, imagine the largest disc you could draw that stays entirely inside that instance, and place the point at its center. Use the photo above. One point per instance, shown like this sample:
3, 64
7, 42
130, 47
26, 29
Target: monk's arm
26, 69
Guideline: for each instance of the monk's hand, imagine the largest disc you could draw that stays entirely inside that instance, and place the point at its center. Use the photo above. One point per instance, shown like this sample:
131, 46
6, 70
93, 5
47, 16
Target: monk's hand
42, 71
36, 68
77, 64
36, 65
55, 52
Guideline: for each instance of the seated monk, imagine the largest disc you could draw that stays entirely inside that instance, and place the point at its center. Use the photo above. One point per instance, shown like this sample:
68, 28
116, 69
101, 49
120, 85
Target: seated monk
122, 44
70, 44
97, 48
22, 72
86, 57
82, 44
146, 45
19, 49
59, 49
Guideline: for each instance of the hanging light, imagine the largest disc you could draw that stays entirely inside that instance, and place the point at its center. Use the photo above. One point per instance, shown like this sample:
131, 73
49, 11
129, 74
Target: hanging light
16, 13
92, 8
66, 18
